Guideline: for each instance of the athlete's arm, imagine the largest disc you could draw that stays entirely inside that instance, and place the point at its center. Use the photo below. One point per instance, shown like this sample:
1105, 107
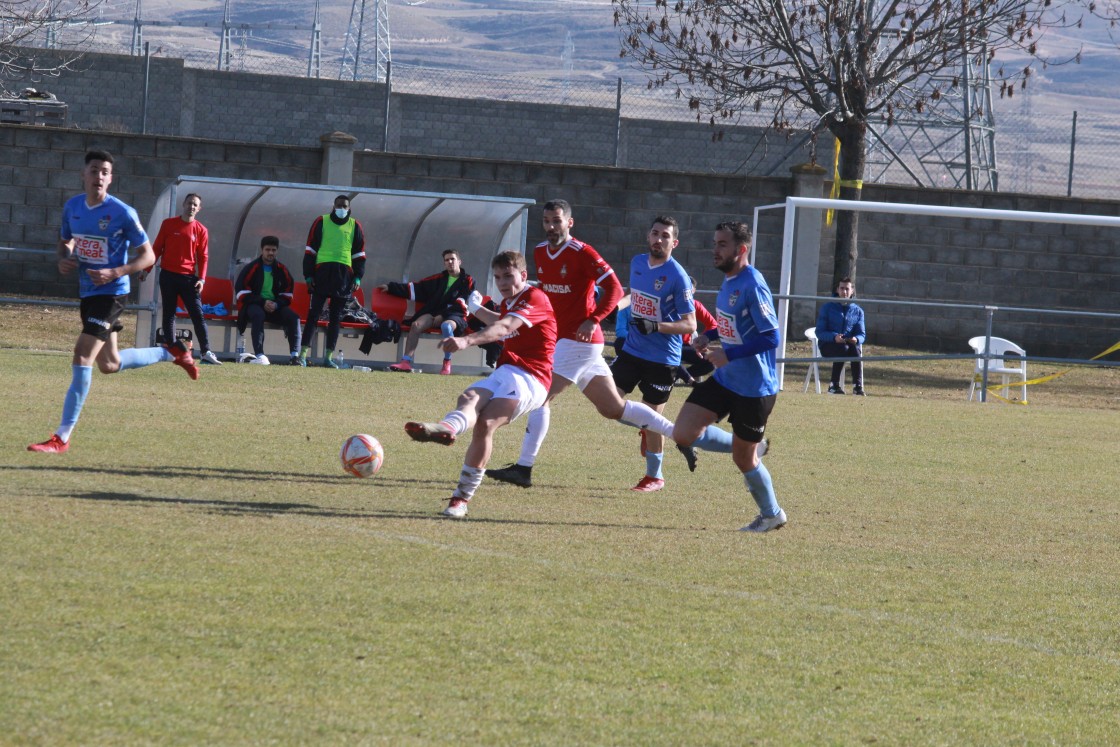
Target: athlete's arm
66, 261
499, 330
144, 257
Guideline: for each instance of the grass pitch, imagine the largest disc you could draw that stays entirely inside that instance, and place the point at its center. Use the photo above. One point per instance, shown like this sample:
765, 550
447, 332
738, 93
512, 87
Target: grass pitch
198, 569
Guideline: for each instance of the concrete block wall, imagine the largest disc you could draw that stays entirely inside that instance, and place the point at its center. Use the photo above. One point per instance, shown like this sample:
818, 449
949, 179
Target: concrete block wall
902, 257
41, 168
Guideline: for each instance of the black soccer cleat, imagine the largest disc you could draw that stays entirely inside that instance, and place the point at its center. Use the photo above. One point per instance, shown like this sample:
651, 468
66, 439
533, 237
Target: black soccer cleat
689, 455
514, 474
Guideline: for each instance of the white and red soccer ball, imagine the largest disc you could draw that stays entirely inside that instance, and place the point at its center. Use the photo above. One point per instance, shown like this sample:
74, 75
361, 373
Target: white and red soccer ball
362, 455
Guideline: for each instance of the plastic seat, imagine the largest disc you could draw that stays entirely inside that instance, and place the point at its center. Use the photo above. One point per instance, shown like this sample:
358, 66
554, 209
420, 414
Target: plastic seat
814, 372
1005, 359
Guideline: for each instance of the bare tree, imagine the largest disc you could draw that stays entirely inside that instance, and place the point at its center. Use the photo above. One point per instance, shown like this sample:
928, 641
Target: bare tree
831, 65
30, 48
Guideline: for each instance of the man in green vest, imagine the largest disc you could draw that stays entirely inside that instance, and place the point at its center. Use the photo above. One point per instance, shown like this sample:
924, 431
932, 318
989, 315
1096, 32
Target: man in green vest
334, 261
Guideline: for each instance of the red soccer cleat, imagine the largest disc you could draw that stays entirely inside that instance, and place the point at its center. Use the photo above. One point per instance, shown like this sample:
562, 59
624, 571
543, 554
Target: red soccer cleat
648, 485
53, 445
446, 370
183, 358
433, 432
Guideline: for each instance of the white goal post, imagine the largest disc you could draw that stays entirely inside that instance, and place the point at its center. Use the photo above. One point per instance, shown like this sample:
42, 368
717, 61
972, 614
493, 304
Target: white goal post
793, 204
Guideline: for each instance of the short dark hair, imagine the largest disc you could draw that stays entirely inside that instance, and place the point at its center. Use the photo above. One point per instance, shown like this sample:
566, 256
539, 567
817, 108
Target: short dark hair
270, 241
99, 155
667, 220
562, 205
451, 251
739, 230
342, 197
193, 194
516, 260
845, 279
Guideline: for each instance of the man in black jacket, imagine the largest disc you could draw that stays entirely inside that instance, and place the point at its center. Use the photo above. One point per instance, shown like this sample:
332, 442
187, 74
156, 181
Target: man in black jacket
264, 294
441, 301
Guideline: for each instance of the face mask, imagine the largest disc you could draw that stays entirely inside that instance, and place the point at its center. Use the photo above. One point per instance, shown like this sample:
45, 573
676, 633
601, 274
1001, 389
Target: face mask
341, 213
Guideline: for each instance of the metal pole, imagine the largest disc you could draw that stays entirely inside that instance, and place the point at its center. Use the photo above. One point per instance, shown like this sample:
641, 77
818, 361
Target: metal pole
388, 95
147, 80
618, 121
987, 351
1072, 150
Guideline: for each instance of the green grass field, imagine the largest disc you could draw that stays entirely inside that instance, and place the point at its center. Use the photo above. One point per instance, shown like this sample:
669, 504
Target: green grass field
198, 570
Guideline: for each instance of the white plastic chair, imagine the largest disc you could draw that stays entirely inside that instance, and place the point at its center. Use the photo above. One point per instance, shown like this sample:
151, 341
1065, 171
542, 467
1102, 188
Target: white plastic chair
1005, 359
814, 371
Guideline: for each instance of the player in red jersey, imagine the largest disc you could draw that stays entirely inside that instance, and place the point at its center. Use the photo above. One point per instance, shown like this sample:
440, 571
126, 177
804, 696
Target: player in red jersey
519, 384
570, 272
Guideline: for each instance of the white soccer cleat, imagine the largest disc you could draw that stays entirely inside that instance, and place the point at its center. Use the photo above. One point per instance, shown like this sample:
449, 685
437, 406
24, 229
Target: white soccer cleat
246, 358
766, 523
457, 509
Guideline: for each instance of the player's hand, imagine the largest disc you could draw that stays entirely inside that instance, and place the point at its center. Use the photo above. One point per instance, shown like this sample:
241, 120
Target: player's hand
198, 285
474, 301
310, 284
144, 275
645, 326
700, 343
270, 306
101, 277
453, 344
586, 330
67, 265
717, 357
357, 285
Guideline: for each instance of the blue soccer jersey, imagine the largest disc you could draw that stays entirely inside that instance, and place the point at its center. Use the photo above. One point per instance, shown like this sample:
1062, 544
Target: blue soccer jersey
745, 310
102, 237
660, 294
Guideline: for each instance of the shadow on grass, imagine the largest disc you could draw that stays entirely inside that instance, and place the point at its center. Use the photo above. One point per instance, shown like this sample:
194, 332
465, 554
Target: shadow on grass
266, 508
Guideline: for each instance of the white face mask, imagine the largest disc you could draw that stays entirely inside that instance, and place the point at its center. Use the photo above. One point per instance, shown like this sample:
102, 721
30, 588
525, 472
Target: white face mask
341, 213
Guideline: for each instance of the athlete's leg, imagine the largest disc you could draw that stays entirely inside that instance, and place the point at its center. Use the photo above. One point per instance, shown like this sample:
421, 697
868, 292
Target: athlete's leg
419, 326
311, 324
169, 297
193, 301
538, 422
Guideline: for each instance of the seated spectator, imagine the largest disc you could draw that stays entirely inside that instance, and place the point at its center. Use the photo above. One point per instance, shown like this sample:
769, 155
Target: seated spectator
492, 349
840, 334
441, 301
264, 294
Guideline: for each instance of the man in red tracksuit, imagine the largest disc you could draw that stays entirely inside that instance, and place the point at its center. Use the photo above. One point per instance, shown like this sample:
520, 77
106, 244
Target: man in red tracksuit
182, 247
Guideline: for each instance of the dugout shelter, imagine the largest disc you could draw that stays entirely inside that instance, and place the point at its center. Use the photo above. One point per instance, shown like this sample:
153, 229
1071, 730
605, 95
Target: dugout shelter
405, 235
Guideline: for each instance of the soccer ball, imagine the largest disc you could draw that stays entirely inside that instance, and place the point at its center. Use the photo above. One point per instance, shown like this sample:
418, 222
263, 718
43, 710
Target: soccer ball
362, 455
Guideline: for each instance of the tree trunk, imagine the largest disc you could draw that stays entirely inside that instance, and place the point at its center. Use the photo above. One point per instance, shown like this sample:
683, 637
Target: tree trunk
853, 161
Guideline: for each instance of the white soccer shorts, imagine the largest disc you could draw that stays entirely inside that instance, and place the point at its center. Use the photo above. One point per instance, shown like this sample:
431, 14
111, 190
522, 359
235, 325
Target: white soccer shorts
579, 362
511, 382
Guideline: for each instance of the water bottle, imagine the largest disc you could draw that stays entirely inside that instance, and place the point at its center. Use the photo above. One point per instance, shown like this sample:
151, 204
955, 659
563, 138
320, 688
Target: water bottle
341, 359
240, 347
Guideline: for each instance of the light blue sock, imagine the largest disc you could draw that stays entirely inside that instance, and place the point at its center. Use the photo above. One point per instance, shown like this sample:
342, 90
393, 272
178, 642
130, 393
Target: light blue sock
762, 490
75, 398
714, 439
140, 357
653, 464
447, 329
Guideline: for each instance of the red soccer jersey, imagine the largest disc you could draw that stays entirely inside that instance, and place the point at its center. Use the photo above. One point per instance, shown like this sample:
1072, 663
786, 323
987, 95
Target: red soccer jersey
183, 246
530, 346
569, 276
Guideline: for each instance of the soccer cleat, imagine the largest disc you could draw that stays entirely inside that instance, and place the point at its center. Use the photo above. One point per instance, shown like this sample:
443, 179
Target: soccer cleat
329, 363
402, 367
858, 391
245, 358
446, 369
297, 361
763, 448
766, 523
53, 445
434, 432
689, 455
835, 389
456, 509
183, 358
514, 474
261, 360
648, 485
210, 359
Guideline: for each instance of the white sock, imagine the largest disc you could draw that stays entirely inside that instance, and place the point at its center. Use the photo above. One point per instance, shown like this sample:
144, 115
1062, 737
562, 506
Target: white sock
469, 480
637, 415
535, 432
457, 421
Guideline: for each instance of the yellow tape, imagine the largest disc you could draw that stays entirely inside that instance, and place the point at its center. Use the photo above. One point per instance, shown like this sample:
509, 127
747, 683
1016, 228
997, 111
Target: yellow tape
835, 192
1039, 380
